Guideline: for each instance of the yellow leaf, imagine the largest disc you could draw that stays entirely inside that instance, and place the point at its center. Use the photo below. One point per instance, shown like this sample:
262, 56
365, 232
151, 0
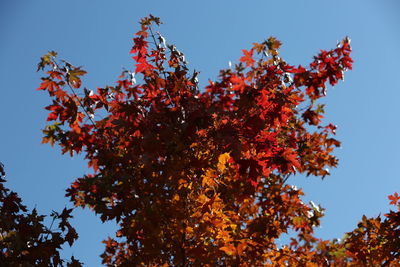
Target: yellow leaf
176, 197
222, 159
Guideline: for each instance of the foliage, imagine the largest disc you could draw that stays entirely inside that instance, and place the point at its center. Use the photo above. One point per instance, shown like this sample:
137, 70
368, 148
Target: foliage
199, 177
24, 240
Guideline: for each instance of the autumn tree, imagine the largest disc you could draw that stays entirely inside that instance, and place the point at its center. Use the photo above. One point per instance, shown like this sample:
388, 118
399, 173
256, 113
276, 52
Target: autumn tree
198, 177
24, 240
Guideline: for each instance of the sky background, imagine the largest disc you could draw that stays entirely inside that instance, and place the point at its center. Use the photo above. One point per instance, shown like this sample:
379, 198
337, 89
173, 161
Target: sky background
97, 35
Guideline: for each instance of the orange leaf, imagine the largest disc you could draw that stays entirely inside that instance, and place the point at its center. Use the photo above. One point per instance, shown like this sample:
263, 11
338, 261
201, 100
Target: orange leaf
247, 58
394, 198
229, 249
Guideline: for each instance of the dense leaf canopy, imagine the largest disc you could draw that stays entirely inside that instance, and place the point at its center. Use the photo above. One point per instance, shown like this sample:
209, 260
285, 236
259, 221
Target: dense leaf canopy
198, 177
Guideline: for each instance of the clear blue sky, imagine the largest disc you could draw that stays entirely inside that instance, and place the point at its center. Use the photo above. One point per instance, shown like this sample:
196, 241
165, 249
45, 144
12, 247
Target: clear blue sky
97, 35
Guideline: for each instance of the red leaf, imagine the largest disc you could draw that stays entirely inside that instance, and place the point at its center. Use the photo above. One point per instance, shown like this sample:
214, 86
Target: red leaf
48, 85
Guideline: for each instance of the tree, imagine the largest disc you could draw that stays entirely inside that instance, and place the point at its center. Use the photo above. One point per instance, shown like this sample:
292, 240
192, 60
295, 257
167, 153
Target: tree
199, 177
25, 240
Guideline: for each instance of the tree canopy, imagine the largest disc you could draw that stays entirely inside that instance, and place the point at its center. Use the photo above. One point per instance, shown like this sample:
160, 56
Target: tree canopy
200, 176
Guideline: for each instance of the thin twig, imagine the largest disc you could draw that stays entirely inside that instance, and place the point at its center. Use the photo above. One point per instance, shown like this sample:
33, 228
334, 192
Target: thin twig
162, 71
76, 96
81, 104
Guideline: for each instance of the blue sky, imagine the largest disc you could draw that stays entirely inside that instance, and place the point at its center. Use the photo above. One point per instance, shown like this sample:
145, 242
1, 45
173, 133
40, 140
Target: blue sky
97, 35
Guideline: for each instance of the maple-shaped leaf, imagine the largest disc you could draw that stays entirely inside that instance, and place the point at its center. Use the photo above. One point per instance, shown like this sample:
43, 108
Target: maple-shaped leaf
259, 47
49, 85
46, 60
394, 198
273, 45
143, 67
71, 235
247, 58
73, 77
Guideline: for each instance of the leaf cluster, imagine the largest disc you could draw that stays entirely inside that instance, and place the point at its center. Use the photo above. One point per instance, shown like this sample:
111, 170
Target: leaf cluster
25, 240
